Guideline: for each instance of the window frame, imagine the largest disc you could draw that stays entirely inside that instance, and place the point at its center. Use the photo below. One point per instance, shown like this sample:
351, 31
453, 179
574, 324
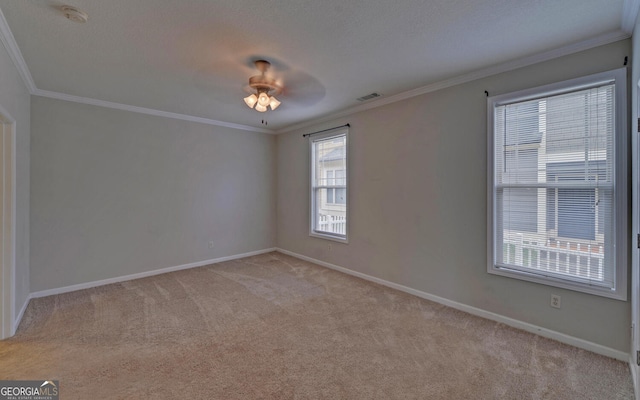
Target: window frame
343, 131
620, 182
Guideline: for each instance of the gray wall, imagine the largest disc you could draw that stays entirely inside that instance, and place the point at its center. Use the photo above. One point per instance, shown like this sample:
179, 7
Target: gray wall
418, 176
117, 193
635, 80
14, 97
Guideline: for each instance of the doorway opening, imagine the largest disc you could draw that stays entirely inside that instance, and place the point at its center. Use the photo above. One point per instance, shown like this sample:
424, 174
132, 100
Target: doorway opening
634, 359
7, 224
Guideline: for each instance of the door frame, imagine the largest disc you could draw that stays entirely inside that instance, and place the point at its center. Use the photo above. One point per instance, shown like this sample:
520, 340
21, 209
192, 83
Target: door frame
635, 240
7, 224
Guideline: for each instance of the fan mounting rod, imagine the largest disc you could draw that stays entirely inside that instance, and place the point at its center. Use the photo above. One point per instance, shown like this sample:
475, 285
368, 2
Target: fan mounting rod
263, 83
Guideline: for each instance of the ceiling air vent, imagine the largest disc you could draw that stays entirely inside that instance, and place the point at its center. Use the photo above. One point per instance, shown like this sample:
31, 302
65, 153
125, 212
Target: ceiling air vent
369, 96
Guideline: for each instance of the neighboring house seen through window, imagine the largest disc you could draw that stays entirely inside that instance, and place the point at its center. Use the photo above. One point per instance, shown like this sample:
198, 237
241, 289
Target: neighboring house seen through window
557, 184
336, 195
329, 185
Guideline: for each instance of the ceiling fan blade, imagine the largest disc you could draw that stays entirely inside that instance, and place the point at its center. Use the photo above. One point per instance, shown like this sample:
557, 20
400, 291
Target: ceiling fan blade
302, 89
223, 80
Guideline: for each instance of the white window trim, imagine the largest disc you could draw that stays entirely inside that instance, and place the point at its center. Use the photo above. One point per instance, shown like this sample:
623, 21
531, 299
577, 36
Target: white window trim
312, 232
620, 205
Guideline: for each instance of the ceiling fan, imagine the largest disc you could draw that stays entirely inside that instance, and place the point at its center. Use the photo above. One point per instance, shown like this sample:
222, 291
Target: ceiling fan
293, 87
265, 87
228, 77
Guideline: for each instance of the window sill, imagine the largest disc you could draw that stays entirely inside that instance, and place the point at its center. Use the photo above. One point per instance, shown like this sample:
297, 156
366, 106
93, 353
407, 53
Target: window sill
620, 294
328, 236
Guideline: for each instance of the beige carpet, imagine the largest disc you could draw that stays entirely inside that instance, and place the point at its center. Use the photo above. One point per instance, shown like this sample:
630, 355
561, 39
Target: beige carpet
275, 327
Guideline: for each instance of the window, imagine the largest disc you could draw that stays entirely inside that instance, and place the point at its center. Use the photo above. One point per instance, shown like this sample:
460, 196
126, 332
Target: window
329, 185
335, 195
557, 184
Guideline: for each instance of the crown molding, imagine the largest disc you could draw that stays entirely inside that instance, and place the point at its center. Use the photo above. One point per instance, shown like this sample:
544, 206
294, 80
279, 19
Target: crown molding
629, 15
9, 41
148, 111
482, 73
6, 37
630, 10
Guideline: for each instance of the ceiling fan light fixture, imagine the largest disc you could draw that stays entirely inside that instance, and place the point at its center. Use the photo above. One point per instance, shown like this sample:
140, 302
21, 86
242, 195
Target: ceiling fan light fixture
263, 99
274, 103
263, 85
251, 100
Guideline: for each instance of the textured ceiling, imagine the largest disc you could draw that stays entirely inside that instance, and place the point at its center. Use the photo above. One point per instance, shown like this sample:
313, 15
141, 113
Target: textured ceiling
193, 57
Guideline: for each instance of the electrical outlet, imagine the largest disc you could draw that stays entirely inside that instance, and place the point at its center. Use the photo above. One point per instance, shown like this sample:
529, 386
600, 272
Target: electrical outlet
211, 244
556, 301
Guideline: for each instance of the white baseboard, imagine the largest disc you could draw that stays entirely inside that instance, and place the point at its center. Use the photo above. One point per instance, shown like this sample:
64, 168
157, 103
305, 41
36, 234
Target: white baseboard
633, 367
16, 322
525, 326
145, 274
87, 285
561, 337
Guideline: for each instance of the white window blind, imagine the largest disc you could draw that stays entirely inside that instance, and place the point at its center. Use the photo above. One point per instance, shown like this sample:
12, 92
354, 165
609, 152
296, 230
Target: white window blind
329, 185
554, 185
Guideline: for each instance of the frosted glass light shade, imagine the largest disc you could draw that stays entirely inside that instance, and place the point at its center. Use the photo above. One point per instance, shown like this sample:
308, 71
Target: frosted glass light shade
263, 99
251, 100
274, 103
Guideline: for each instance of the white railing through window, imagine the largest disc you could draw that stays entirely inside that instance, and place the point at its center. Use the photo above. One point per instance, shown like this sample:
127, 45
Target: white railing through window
557, 256
332, 223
